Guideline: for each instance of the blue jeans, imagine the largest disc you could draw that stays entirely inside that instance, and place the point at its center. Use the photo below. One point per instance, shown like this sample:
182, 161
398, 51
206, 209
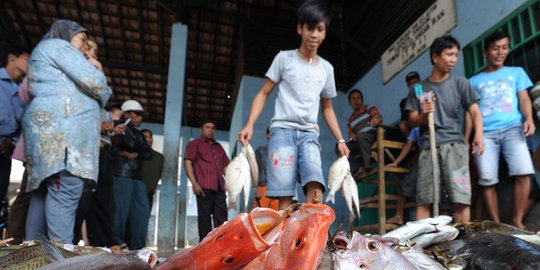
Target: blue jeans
292, 153
53, 210
513, 145
132, 204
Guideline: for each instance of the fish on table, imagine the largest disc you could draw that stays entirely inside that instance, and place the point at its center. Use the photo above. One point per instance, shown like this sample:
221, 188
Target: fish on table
301, 243
492, 250
231, 245
135, 260
366, 252
27, 257
415, 228
440, 234
418, 258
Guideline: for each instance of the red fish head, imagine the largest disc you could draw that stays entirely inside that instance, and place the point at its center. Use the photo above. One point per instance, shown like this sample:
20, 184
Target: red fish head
305, 235
231, 245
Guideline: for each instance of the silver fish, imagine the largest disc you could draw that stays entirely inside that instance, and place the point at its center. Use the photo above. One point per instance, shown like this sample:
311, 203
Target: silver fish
441, 234
365, 252
415, 228
349, 190
418, 258
238, 179
252, 160
336, 176
531, 238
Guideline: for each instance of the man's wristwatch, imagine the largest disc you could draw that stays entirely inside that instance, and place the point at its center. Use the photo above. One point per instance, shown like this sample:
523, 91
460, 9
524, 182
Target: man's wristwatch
340, 141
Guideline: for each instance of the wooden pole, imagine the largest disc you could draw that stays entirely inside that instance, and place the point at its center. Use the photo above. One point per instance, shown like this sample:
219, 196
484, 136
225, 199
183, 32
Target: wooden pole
420, 94
435, 165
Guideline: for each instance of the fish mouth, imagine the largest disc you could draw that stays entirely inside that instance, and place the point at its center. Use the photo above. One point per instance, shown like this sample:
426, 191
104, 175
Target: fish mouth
308, 209
267, 223
341, 241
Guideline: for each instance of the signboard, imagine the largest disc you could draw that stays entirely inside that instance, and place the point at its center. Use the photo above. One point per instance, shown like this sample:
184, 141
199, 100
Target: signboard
438, 20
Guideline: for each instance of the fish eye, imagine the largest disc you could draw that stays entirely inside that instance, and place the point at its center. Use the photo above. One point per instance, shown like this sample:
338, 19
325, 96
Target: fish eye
372, 246
363, 265
298, 243
227, 259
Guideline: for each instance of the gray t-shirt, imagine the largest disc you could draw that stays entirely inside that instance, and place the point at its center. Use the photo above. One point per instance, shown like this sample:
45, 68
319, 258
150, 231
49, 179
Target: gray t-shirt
450, 96
300, 88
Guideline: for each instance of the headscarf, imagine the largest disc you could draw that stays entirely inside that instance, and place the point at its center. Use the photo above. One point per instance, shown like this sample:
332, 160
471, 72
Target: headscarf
64, 29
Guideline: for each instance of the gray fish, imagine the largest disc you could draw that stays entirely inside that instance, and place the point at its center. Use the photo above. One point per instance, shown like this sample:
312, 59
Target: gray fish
488, 250
492, 226
135, 260
27, 257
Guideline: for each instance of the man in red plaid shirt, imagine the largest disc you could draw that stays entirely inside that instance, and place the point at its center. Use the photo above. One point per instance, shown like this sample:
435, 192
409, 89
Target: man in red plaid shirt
205, 161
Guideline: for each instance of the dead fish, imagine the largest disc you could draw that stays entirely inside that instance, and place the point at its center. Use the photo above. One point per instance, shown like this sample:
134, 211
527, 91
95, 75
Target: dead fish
336, 176
327, 260
531, 238
364, 252
489, 250
418, 258
302, 242
27, 257
441, 234
492, 226
231, 245
252, 160
139, 259
415, 228
349, 191
238, 179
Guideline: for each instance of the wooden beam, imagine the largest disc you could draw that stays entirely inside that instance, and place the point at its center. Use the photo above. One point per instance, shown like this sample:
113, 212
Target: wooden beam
22, 24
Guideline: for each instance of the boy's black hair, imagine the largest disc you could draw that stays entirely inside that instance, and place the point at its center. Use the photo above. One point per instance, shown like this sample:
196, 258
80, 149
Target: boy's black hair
355, 91
495, 36
442, 43
8, 49
311, 12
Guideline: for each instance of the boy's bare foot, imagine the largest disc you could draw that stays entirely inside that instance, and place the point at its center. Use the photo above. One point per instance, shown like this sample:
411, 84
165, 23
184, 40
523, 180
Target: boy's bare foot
397, 220
314, 193
317, 197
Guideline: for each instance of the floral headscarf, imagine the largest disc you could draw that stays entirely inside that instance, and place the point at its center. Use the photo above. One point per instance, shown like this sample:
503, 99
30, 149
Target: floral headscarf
64, 29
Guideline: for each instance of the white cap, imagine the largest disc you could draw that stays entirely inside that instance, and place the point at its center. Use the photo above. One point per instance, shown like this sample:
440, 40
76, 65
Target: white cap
131, 105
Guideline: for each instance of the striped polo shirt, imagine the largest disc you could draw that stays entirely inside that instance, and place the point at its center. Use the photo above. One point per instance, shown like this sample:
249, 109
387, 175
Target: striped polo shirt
360, 119
209, 160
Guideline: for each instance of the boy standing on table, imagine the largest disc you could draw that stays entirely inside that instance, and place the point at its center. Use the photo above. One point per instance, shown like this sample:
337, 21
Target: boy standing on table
304, 80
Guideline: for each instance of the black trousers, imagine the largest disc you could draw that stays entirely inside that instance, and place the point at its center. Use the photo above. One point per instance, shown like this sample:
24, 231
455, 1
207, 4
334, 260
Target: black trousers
101, 211
211, 205
361, 149
5, 172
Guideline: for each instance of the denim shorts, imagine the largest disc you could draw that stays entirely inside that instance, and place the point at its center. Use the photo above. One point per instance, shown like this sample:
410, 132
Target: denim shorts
292, 154
512, 144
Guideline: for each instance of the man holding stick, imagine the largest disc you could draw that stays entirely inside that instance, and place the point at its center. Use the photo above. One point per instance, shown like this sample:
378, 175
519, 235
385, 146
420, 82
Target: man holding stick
442, 95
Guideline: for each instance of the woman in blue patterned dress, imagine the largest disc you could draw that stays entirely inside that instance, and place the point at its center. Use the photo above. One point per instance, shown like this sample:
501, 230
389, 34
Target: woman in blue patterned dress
61, 128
